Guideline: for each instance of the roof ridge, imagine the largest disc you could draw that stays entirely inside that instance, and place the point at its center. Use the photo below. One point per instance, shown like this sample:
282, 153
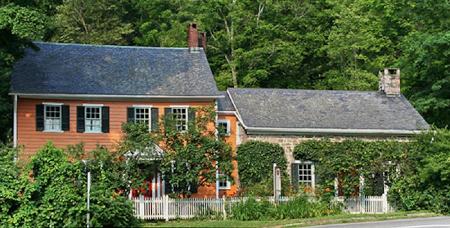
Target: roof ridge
108, 45
312, 90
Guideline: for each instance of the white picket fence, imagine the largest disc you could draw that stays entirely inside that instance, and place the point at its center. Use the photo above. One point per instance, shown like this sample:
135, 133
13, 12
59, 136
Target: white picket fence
165, 208
366, 204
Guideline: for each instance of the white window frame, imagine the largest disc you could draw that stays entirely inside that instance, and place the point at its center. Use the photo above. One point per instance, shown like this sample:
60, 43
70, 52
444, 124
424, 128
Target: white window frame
187, 116
149, 109
46, 129
313, 176
227, 180
86, 130
228, 133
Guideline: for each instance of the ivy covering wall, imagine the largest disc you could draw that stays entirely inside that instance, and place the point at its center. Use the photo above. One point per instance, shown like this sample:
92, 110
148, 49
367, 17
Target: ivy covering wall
417, 171
255, 164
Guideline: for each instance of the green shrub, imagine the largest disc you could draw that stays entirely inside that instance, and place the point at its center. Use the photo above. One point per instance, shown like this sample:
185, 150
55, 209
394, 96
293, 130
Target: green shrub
299, 207
256, 160
424, 180
251, 209
51, 192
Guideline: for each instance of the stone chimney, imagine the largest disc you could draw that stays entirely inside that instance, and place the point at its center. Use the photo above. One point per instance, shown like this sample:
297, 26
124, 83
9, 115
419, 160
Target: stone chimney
390, 81
193, 38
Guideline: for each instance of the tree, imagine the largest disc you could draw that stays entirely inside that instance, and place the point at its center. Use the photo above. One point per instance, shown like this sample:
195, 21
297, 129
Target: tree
18, 26
426, 74
188, 159
92, 21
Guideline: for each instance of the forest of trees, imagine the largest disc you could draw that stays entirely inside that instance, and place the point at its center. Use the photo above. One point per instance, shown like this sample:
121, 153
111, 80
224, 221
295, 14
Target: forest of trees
304, 44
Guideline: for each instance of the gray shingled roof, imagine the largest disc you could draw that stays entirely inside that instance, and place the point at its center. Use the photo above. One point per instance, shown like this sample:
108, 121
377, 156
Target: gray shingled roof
325, 109
224, 104
113, 70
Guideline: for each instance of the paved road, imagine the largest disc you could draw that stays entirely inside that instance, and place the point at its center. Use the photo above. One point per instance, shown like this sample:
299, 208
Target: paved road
433, 222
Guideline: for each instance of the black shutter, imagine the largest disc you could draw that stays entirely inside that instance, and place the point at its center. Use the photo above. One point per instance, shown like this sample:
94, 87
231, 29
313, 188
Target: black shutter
168, 122
191, 115
167, 186
39, 117
155, 119
80, 119
294, 175
167, 111
105, 119
316, 175
130, 115
65, 125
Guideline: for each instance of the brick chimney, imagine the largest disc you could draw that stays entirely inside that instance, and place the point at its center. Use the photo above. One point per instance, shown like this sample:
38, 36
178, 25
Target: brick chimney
390, 81
193, 38
202, 41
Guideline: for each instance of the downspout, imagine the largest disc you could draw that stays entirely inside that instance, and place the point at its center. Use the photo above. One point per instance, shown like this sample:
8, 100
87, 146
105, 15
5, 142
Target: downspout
15, 122
15, 126
217, 138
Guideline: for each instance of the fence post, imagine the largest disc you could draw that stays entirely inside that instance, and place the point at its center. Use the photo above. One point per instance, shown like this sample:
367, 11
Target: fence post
141, 206
385, 203
166, 207
224, 208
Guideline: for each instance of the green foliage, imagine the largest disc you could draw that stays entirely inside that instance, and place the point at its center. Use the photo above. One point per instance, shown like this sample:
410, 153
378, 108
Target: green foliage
18, 26
256, 160
423, 181
51, 191
427, 75
190, 157
9, 183
299, 207
349, 159
251, 209
92, 21
417, 171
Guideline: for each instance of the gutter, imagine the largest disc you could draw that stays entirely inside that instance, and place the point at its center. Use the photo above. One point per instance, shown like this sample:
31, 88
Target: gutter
66, 95
331, 131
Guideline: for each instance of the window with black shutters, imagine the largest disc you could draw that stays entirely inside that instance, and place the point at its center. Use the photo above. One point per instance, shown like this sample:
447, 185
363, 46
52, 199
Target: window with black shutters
93, 119
142, 115
180, 115
52, 118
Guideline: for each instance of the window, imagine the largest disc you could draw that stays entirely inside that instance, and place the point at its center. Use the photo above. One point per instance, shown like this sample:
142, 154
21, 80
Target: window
142, 115
93, 119
306, 173
181, 118
52, 118
224, 182
223, 127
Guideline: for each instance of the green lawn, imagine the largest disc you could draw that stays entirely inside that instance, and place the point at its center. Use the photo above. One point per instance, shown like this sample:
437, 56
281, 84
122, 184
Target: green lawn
344, 218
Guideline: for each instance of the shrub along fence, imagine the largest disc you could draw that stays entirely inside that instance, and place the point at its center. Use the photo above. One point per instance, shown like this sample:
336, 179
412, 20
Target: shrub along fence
166, 208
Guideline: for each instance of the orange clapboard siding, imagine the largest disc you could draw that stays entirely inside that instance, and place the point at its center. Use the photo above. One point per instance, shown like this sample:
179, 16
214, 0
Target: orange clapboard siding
210, 190
32, 140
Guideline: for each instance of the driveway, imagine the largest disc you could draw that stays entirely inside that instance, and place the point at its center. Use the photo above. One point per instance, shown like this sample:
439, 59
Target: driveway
433, 222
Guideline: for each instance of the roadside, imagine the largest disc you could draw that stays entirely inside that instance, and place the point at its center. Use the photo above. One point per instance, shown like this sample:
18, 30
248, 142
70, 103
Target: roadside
343, 218
440, 221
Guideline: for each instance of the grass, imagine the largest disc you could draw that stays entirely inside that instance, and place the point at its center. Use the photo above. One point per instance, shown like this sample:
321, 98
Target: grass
343, 218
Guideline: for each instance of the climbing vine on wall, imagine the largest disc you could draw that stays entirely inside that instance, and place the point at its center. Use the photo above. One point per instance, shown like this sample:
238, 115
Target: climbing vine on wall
350, 159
